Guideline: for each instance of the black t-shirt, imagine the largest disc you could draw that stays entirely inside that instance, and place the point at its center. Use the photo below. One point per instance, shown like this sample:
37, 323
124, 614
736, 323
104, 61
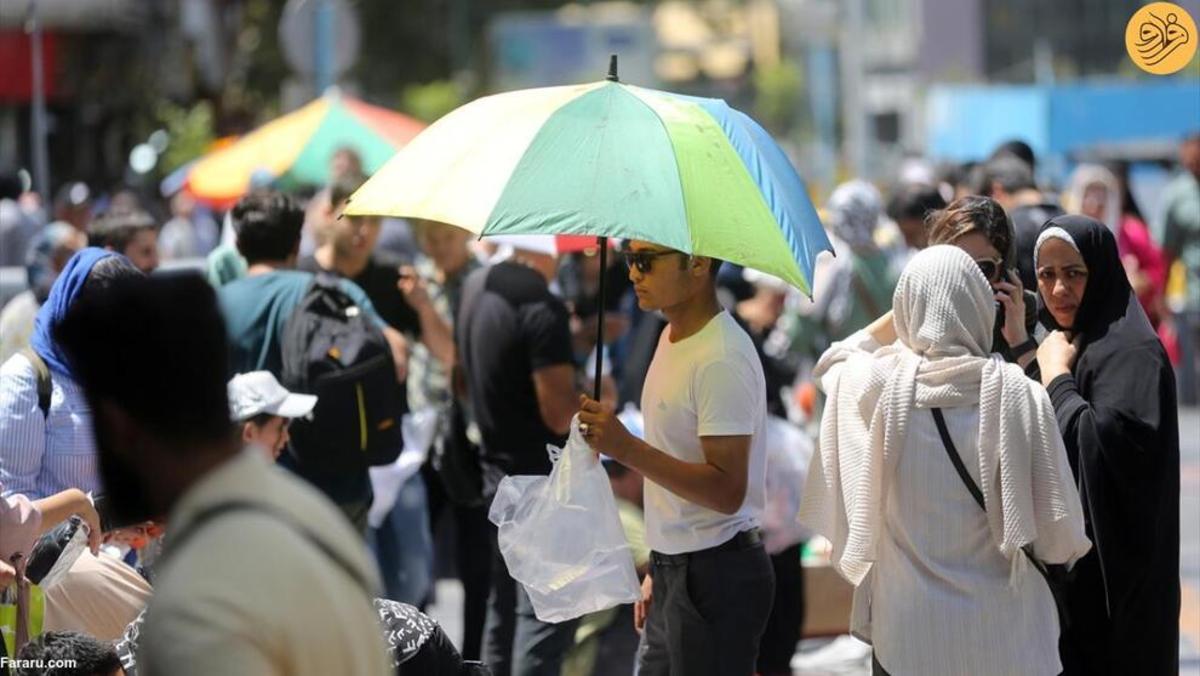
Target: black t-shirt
379, 280
509, 325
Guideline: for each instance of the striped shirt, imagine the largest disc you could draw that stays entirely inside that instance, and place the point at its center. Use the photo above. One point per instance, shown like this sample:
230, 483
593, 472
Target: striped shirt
40, 456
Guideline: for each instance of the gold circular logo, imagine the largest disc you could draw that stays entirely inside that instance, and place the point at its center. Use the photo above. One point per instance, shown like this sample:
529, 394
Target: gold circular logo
1161, 38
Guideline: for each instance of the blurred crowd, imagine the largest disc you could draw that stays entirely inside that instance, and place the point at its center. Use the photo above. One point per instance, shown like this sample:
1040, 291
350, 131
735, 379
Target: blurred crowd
488, 344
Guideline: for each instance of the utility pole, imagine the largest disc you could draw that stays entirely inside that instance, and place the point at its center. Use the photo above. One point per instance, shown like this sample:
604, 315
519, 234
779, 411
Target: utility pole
854, 118
323, 46
41, 161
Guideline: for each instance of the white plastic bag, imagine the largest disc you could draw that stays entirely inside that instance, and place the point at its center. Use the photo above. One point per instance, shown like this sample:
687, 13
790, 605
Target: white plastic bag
418, 428
561, 537
789, 450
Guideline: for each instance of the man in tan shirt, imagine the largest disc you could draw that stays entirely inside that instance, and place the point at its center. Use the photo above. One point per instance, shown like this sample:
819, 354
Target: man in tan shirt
259, 574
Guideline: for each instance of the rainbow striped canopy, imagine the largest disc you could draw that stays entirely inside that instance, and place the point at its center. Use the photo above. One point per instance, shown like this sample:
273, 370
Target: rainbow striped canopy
608, 159
295, 149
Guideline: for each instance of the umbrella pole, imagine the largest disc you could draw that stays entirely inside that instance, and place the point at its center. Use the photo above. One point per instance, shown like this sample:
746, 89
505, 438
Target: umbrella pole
602, 242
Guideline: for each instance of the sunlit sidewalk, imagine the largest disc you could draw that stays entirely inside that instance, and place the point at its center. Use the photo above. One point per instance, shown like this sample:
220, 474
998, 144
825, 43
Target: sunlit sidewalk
846, 656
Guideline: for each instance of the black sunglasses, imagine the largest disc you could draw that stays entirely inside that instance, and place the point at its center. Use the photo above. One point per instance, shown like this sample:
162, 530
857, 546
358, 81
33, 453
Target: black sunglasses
991, 268
644, 260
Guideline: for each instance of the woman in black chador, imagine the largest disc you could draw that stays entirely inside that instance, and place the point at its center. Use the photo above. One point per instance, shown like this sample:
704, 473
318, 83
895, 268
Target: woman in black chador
1114, 395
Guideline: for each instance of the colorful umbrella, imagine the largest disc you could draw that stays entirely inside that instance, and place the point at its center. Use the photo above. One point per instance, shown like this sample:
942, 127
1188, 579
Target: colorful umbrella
295, 149
608, 159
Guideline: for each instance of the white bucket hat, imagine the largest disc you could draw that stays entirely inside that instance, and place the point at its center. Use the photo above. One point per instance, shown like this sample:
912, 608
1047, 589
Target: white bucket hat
257, 392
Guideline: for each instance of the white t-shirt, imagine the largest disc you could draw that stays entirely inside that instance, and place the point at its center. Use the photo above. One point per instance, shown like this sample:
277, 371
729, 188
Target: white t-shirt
708, 384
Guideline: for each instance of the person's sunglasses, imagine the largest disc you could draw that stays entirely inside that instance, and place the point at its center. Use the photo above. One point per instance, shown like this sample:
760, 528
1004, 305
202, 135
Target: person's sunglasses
644, 260
991, 268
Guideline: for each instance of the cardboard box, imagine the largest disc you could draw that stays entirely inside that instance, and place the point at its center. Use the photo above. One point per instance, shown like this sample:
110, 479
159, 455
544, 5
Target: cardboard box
827, 600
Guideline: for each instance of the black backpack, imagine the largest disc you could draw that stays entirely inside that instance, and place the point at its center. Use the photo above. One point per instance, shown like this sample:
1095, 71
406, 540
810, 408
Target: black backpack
332, 349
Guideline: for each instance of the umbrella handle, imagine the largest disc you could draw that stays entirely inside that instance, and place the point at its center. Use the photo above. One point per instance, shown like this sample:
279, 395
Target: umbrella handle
602, 242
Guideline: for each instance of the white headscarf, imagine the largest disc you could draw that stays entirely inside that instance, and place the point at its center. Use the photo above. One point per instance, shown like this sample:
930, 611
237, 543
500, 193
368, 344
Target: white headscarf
854, 210
944, 311
1092, 174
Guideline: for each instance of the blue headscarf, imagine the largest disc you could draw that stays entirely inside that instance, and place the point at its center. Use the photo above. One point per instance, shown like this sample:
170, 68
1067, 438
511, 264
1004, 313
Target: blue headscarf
64, 292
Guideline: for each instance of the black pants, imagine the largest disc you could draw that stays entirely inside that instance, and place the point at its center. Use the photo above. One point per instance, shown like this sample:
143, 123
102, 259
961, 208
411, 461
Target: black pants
472, 557
707, 613
617, 645
778, 644
515, 642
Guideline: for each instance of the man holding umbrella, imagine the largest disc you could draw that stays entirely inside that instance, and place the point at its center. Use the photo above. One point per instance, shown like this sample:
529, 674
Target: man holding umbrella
688, 182
707, 598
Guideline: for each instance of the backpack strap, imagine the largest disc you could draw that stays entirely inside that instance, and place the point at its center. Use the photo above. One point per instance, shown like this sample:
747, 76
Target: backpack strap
211, 514
44, 383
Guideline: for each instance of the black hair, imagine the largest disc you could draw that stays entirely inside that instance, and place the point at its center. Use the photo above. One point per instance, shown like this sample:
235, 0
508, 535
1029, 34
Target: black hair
116, 230
914, 200
974, 213
1018, 149
344, 186
714, 267
260, 419
89, 655
268, 226
10, 185
109, 270
155, 347
1010, 172
960, 174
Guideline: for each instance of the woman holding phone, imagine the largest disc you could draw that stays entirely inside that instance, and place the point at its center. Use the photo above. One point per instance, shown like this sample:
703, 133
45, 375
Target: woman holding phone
980, 227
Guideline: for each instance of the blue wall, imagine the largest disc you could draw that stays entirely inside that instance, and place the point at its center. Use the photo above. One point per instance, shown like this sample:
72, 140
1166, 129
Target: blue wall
966, 123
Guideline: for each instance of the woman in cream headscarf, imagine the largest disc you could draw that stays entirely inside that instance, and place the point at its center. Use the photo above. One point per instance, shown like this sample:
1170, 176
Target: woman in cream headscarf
1098, 193
941, 586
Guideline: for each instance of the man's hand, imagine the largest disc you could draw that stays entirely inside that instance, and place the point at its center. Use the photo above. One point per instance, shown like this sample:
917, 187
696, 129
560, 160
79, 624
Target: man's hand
603, 430
58, 507
413, 288
8, 575
642, 608
1056, 355
88, 513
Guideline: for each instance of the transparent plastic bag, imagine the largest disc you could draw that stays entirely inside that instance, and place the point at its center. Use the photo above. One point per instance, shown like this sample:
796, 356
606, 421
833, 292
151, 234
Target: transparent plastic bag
789, 450
561, 537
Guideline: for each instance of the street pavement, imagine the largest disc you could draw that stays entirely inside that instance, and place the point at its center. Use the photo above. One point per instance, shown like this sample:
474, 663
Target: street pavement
845, 657
1189, 544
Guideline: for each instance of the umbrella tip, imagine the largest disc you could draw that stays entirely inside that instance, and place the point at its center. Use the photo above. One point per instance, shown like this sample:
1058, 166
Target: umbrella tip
612, 68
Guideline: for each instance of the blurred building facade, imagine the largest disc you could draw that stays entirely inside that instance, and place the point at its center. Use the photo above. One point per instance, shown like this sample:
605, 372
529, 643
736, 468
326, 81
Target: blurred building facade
892, 53
845, 84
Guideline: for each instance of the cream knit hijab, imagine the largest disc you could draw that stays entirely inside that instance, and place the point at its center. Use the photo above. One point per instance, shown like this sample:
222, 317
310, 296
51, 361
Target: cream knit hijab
944, 311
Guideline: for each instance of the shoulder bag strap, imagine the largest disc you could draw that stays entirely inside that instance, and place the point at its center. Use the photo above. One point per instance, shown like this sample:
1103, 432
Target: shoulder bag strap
951, 451
956, 460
